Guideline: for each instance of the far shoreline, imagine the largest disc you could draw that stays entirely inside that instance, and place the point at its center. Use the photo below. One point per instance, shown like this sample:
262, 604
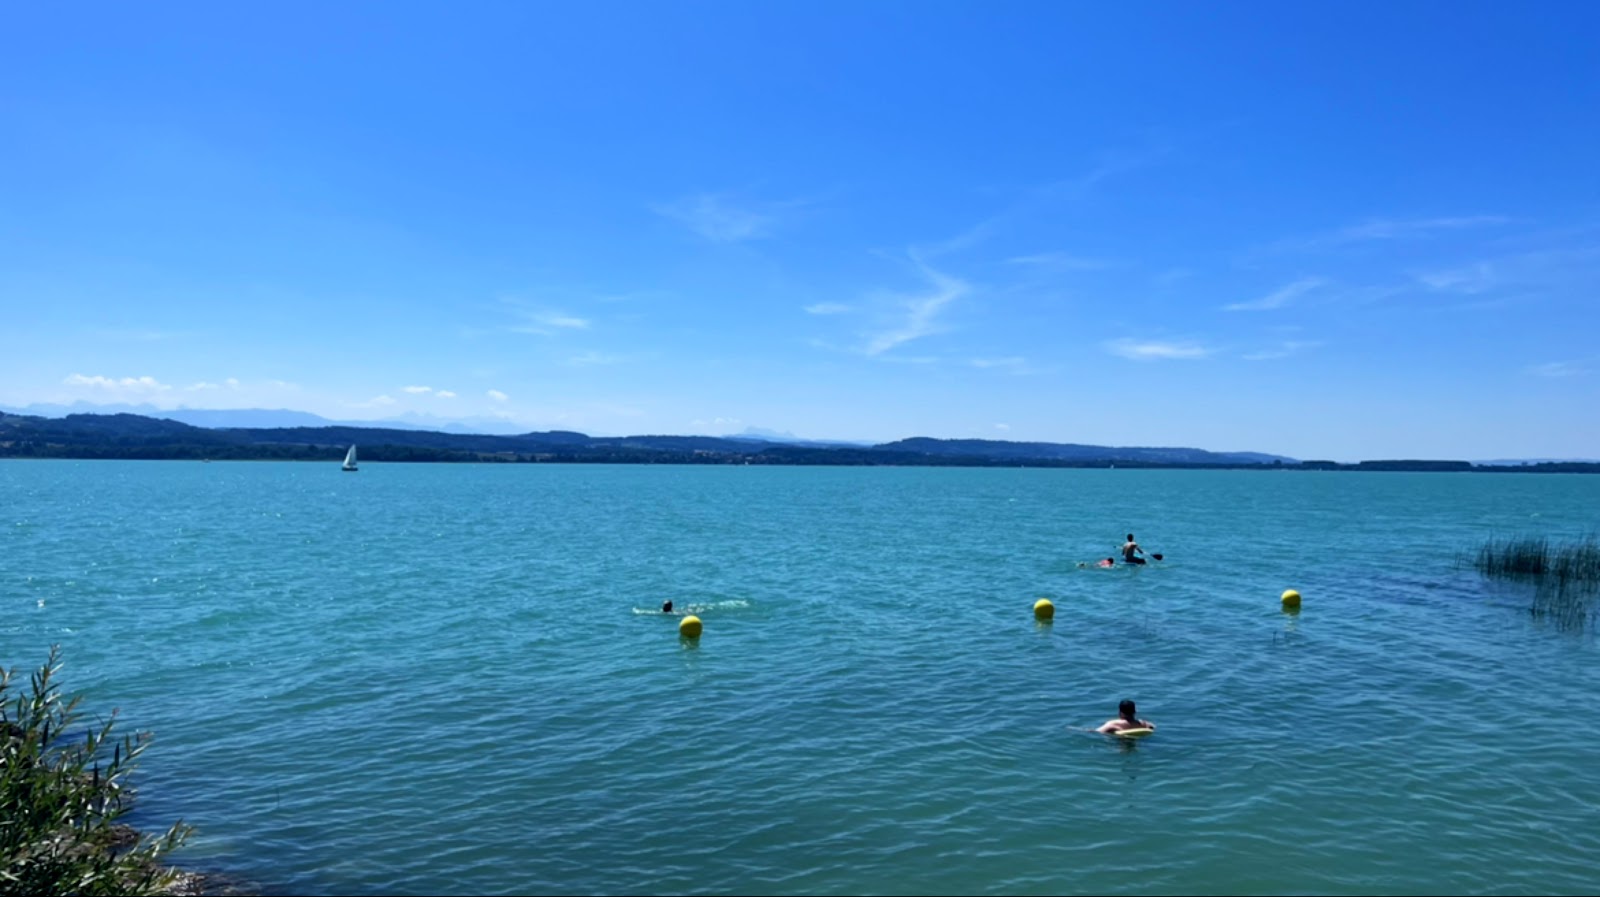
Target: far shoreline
377, 455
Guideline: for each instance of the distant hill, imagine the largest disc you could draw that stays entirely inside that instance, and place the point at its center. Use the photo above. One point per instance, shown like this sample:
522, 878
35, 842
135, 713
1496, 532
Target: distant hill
757, 434
992, 448
259, 418
1524, 462
142, 437
134, 435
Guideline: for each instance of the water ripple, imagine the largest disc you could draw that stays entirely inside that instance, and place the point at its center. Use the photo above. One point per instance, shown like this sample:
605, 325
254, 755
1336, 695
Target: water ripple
455, 679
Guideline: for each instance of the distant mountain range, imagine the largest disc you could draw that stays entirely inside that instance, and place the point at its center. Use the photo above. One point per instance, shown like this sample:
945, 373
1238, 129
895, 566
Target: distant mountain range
308, 436
270, 418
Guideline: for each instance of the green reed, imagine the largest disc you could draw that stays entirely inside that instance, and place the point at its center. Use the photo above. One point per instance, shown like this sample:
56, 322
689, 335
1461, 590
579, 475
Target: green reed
1539, 558
1566, 576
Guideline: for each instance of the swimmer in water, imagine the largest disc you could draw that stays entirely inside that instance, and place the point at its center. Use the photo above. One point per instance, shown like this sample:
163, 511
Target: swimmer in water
1126, 719
666, 606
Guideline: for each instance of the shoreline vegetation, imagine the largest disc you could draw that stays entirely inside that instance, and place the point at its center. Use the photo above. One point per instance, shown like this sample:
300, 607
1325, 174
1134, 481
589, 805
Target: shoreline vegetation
63, 787
134, 437
1565, 576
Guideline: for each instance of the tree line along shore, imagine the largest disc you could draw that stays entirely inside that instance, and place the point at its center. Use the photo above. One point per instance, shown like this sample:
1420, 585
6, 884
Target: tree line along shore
134, 437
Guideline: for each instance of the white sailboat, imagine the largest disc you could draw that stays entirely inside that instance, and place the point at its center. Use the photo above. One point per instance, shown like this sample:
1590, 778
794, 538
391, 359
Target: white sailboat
350, 460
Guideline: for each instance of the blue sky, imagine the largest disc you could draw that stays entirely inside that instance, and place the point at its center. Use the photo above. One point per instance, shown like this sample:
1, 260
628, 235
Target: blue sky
1325, 230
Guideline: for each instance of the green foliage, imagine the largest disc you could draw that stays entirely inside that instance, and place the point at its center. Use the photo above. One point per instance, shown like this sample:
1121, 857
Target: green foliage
62, 789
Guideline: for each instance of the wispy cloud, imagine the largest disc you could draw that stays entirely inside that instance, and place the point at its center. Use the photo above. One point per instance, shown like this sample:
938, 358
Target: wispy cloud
1388, 229
547, 323
719, 219
1010, 363
137, 335
1471, 279
1282, 350
1560, 368
1066, 188
1283, 296
1059, 261
828, 308
1393, 229
123, 386
428, 390
206, 385
590, 359
497, 395
1155, 350
382, 401
1172, 277
1002, 427
920, 313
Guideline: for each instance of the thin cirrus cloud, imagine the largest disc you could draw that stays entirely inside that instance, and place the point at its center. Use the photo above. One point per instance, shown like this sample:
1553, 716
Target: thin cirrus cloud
1388, 229
718, 219
1391, 229
1156, 350
1471, 279
1281, 297
921, 312
828, 308
1012, 363
1559, 369
1282, 350
1040, 196
1059, 261
136, 335
497, 395
547, 323
592, 359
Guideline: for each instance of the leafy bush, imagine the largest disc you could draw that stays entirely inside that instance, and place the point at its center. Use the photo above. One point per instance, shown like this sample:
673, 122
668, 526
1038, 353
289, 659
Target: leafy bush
61, 795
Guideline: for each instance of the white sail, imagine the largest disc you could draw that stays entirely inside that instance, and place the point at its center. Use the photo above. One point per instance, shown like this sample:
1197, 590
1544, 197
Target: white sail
350, 459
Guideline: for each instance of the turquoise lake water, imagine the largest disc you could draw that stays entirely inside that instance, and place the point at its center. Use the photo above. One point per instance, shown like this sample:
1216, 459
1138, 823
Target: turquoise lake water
451, 679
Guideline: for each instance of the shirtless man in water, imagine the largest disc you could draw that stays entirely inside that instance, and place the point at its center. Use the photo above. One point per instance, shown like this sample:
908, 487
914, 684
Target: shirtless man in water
1129, 549
1125, 720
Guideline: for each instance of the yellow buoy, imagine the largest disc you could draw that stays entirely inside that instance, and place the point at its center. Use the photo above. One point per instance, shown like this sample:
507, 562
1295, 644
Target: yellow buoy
689, 627
1043, 609
1291, 598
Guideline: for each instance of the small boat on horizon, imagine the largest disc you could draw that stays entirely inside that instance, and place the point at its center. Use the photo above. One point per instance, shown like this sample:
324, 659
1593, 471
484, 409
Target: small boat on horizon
350, 460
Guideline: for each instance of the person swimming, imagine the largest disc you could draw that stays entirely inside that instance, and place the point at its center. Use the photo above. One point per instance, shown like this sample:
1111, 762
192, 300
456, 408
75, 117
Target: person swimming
666, 606
1126, 719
